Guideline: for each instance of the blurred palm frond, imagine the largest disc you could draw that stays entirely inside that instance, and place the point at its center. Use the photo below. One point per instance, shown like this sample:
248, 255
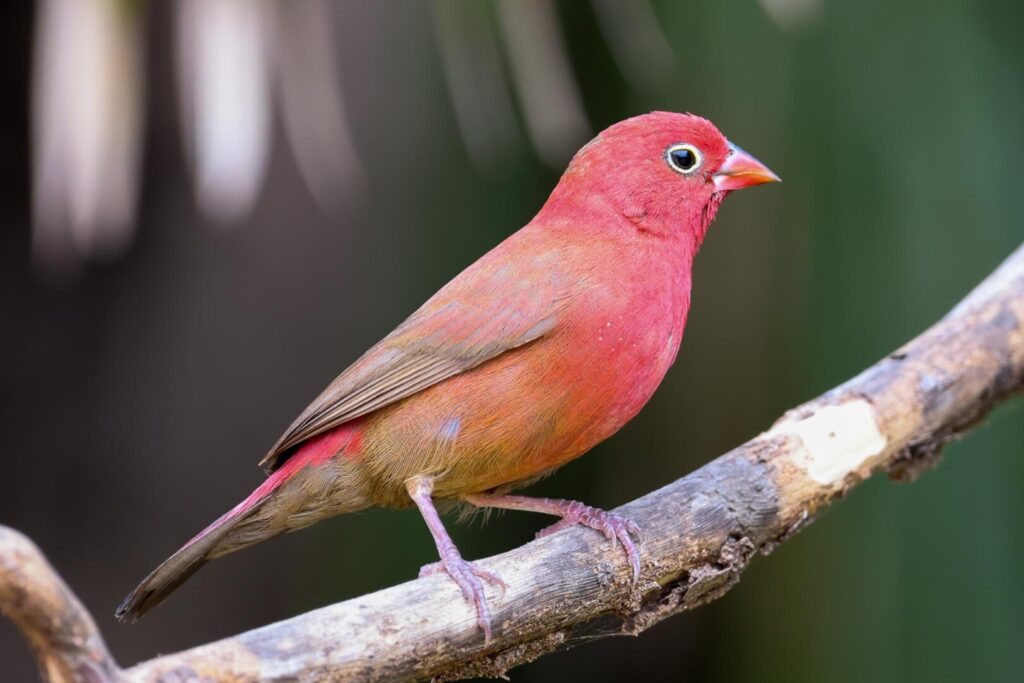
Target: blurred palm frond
87, 106
224, 58
794, 15
236, 60
638, 45
477, 83
548, 91
312, 106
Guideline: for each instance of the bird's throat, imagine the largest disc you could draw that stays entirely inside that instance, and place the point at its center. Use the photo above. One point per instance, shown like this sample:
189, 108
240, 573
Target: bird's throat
707, 216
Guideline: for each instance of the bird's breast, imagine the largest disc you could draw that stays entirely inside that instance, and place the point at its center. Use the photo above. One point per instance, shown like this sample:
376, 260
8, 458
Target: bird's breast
538, 406
631, 334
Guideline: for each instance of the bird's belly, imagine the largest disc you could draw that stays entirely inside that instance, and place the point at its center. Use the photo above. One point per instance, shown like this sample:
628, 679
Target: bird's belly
514, 418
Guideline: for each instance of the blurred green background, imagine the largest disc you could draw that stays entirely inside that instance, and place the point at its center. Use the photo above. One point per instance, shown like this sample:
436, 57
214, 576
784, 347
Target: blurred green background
141, 389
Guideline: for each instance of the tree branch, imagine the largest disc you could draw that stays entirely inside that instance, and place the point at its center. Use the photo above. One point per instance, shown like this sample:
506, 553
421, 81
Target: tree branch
64, 638
699, 532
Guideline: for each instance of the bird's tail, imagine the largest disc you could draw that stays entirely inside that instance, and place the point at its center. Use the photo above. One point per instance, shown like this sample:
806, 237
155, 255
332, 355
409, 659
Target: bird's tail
310, 486
232, 531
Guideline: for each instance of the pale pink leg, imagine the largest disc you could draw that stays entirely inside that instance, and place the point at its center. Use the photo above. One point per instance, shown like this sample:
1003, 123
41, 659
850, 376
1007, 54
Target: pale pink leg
465, 574
616, 528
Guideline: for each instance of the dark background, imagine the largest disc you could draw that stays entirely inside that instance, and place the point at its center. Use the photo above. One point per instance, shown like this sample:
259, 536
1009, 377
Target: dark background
139, 394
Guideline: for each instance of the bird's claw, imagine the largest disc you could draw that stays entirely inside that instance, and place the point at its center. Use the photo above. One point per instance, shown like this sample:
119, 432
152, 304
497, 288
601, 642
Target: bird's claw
466, 576
616, 528
431, 569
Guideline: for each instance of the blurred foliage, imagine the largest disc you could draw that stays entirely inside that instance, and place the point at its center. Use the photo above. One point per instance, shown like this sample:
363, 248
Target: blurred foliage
140, 401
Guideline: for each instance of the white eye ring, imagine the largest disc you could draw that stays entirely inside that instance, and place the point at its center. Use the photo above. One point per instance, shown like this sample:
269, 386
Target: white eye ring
683, 158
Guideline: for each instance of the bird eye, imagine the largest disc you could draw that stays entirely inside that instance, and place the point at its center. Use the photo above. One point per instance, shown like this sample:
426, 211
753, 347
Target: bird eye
682, 158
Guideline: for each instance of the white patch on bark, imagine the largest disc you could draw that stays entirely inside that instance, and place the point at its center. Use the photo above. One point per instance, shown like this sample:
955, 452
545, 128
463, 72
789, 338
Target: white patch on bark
838, 440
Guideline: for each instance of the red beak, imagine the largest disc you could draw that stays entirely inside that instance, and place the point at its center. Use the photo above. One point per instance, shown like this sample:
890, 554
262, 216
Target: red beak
742, 170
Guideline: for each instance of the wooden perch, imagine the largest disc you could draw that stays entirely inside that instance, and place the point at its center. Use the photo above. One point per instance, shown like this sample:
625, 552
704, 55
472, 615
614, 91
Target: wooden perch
59, 630
699, 533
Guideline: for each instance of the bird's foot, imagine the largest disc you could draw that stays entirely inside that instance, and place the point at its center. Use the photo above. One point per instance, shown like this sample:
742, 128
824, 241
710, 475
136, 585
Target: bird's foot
431, 569
467, 576
618, 529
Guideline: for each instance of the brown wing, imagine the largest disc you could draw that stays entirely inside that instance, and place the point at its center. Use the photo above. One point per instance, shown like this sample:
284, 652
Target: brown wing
490, 308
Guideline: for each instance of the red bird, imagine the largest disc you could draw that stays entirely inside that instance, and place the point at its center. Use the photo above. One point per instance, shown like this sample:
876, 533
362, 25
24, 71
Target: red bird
537, 352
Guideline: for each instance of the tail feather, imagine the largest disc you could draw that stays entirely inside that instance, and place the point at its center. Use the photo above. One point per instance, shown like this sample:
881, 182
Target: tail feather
229, 533
309, 486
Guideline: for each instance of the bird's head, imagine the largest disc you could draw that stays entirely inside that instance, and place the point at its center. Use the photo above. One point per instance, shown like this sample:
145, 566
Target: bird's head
665, 172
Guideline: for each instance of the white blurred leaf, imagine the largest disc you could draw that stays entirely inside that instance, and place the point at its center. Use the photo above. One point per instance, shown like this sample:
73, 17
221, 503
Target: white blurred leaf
87, 103
224, 49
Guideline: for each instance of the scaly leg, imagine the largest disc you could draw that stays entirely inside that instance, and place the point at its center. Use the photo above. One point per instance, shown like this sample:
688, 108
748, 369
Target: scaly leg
616, 528
466, 574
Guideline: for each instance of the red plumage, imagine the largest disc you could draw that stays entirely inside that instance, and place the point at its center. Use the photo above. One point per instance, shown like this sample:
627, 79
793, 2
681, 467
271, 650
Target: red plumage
541, 349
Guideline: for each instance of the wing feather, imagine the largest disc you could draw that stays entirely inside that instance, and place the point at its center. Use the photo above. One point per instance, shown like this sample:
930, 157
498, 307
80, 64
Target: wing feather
489, 309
